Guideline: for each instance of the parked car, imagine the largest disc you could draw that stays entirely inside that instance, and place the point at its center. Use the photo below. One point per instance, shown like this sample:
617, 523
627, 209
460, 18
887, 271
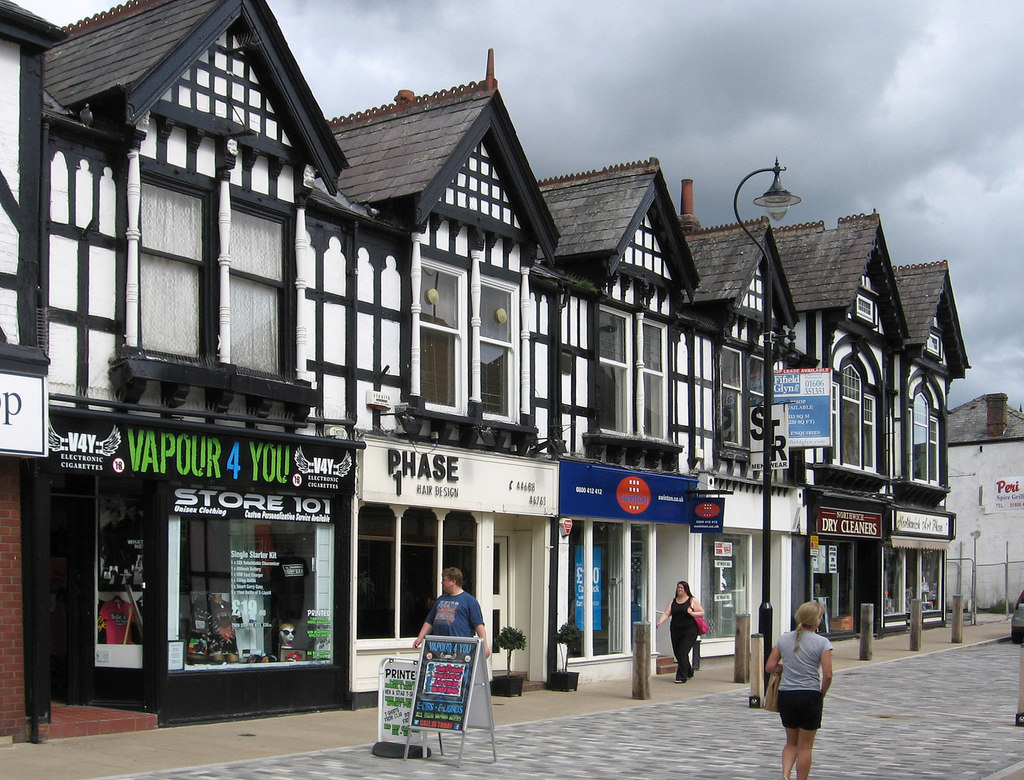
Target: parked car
1017, 621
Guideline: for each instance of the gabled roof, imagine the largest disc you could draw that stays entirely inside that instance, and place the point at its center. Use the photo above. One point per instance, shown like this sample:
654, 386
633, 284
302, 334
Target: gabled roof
26, 28
727, 262
598, 212
825, 266
139, 49
927, 294
413, 148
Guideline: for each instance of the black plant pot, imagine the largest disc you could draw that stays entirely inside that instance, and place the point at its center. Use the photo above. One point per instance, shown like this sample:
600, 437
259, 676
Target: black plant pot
563, 681
507, 685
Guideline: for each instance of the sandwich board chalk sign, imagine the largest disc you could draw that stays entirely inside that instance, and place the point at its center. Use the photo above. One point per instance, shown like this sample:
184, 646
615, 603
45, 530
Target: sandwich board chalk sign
452, 694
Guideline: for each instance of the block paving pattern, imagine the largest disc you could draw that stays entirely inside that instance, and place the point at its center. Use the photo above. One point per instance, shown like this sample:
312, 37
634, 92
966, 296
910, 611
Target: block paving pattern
949, 714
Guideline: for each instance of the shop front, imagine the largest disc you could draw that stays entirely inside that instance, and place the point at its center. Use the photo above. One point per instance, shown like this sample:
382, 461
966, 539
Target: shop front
626, 536
845, 556
192, 568
422, 509
914, 566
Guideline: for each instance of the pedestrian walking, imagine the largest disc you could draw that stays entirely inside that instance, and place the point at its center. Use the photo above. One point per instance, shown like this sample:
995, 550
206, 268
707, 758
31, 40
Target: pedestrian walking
682, 610
455, 612
805, 659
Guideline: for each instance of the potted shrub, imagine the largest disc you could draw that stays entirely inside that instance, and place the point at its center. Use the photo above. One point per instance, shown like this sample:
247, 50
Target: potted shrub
568, 638
509, 639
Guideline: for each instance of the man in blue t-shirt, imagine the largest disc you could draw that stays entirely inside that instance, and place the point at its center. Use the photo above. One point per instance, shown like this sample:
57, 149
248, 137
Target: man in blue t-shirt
455, 613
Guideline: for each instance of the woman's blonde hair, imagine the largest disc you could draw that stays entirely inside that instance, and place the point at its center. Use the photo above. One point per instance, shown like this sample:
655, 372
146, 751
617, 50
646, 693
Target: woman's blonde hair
807, 616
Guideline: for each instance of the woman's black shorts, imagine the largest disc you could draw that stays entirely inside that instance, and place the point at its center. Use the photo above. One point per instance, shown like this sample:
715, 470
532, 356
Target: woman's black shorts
800, 709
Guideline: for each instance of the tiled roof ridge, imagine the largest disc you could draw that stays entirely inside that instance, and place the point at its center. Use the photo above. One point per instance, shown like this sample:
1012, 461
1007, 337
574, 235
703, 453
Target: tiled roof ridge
873, 216
912, 267
730, 227
405, 101
801, 227
115, 14
643, 166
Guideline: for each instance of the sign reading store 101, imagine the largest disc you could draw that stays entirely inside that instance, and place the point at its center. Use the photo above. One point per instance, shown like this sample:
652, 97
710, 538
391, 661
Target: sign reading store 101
211, 457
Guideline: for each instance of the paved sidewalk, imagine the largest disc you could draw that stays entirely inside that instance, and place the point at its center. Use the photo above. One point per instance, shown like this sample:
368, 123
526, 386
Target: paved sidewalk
946, 711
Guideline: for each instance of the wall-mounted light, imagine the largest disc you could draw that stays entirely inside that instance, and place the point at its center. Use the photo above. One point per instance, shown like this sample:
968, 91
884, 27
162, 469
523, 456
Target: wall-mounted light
500, 316
432, 296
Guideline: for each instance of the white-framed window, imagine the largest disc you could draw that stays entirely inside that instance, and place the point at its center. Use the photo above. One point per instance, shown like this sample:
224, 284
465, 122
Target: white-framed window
498, 329
934, 344
865, 309
170, 271
733, 409
652, 373
857, 430
614, 391
442, 338
257, 275
925, 440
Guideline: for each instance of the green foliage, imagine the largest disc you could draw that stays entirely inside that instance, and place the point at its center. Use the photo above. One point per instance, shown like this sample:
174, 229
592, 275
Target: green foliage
510, 639
569, 634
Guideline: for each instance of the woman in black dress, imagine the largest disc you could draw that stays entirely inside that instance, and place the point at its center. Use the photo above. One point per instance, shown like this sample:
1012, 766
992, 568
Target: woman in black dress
682, 610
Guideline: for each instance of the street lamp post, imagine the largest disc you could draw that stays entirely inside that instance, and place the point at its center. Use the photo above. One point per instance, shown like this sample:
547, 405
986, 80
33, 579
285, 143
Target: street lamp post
776, 201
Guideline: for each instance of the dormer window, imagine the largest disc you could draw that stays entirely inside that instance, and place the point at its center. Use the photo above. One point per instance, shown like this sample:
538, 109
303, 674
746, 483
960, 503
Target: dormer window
934, 345
865, 309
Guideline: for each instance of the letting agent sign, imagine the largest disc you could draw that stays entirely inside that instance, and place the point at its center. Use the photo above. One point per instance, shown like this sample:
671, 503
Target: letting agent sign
807, 394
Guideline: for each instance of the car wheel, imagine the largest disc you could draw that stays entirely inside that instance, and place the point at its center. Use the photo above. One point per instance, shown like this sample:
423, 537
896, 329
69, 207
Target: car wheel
1017, 637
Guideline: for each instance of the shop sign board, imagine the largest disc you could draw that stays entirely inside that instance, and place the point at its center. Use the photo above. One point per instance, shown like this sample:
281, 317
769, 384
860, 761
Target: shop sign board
1007, 494
23, 414
237, 459
778, 437
708, 516
438, 476
921, 524
589, 490
395, 689
807, 394
847, 522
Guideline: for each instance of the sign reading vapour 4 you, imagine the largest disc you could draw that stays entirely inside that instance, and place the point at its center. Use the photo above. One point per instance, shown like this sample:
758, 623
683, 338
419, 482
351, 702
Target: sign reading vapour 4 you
239, 459
417, 475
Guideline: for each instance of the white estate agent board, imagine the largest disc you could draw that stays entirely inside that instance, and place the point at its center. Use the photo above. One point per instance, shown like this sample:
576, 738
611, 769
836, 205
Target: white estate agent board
807, 394
23, 415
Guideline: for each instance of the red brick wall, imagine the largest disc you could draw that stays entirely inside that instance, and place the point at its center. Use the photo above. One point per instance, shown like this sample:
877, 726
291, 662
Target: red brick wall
12, 645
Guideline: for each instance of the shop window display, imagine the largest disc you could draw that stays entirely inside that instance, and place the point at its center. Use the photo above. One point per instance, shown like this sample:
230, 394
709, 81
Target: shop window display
832, 568
120, 583
248, 591
724, 582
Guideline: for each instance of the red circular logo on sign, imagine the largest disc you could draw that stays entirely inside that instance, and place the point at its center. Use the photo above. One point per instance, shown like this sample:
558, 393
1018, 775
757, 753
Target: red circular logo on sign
633, 495
707, 510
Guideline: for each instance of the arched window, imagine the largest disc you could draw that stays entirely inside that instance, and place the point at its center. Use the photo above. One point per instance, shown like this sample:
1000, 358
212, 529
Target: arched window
856, 430
925, 440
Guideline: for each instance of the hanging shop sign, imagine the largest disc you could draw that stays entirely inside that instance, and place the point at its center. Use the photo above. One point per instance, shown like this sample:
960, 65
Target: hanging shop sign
391, 471
210, 455
589, 490
807, 394
22, 414
708, 516
846, 522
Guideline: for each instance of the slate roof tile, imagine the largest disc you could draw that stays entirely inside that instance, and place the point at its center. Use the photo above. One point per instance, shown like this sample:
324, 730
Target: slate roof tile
726, 260
969, 423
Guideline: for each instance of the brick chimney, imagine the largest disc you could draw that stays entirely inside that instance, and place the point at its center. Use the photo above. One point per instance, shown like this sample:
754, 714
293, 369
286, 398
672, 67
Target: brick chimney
405, 97
687, 221
995, 425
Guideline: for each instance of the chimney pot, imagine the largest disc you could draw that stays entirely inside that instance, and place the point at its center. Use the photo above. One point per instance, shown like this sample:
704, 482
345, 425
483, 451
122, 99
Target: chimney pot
687, 221
996, 418
405, 97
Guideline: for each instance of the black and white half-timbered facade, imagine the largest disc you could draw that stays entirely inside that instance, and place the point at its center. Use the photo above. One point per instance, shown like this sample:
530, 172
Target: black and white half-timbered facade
449, 372
192, 513
296, 367
876, 531
731, 297
621, 404
24, 38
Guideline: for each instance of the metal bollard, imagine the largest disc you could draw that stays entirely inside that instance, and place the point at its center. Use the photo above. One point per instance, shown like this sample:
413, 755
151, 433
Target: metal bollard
957, 636
741, 656
641, 660
1020, 690
867, 631
756, 671
916, 624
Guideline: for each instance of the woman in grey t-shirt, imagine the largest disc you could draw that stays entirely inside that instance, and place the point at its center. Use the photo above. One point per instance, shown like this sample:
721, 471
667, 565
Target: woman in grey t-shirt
805, 659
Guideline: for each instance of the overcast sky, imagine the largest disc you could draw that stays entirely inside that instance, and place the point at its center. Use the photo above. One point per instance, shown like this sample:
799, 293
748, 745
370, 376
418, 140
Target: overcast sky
913, 109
